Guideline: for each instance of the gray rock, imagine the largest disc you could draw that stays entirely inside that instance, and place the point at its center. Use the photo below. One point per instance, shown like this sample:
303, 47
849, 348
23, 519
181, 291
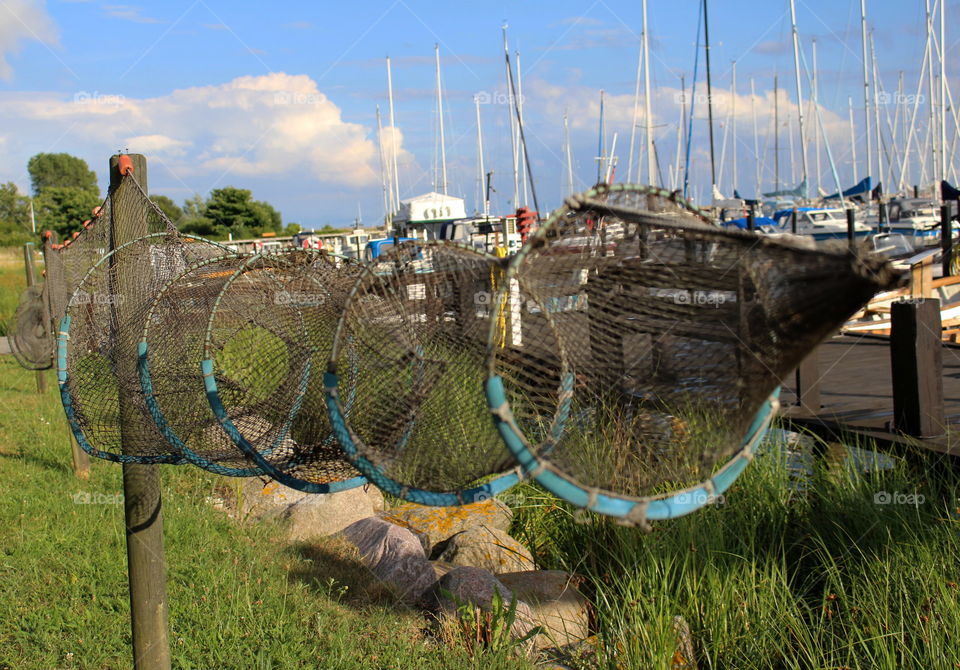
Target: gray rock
475, 586
440, 523
488, 548
555, 604
319, 515
683, 658
393, 554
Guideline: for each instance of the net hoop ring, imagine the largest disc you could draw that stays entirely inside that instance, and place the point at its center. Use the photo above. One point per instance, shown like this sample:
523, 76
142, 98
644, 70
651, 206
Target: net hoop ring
627, 510
63, 375
349, 440
207, 369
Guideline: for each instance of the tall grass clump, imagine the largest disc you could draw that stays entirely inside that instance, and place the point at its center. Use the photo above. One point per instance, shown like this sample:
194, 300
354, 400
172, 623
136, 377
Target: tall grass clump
814, 569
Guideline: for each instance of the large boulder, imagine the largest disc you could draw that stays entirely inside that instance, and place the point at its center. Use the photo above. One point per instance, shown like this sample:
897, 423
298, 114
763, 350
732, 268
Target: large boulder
555, 604
475, 586
393, 554
488, 548
437, 524
306, 515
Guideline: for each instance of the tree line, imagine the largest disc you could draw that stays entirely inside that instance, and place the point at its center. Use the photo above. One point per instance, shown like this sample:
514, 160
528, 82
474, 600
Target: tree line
65, 192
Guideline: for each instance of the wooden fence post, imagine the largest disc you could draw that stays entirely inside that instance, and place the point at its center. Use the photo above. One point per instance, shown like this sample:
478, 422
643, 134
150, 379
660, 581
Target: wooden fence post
146, 564
31, 280
808, 383
946, 240
916, 363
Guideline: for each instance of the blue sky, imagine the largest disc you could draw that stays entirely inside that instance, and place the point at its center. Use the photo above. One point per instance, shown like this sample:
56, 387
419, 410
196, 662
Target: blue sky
280, 98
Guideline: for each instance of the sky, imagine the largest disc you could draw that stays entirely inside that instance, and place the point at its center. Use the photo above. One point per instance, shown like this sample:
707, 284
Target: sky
281, 98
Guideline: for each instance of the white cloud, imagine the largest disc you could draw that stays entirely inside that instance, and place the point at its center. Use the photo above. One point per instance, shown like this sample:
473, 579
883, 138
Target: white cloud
22, 20
270, 125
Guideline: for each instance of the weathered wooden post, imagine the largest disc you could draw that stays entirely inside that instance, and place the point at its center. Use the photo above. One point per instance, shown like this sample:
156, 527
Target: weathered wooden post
146, 565
31, 280
851, 226
808, 383
946, 239
751, 222
916, 363
793, 221
882, 217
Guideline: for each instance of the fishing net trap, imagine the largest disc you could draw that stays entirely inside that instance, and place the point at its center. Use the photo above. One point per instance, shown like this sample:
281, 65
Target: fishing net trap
98, 335
405, 376
643, 349
264, 344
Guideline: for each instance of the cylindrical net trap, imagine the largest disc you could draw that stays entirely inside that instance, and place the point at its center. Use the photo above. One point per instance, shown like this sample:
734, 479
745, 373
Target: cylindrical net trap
405, 379
266, 343
644, 348
97, 346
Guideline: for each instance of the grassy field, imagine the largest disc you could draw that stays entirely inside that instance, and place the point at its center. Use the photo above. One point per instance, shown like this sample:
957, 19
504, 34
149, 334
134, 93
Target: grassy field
856, 567
12, 282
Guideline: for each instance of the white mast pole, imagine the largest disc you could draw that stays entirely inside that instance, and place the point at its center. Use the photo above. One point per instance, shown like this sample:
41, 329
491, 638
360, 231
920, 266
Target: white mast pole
675, 173
930, 102
733, 113
513, 122
393, 142
853, 139
566, 139
756, 136
866, 84
877, 88
816, 102
443, 146
796, 68
383, 168
648, 117
522, 159
481, 176
943, 101
636, 111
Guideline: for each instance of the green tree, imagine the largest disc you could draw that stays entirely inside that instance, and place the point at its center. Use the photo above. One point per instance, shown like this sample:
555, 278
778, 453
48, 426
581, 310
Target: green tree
14, 216
63, 209
233, 210
169, 207
61, 170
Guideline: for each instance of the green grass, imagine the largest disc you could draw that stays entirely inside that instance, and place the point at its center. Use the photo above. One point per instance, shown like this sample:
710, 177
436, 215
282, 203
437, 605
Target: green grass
12, 283
776, 576
238, 597
772, 577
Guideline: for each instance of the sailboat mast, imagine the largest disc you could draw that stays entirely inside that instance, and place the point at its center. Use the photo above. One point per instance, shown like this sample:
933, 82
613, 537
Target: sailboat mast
796, 71
756, 138
481, 172
393, 142
943, 99
522, 159
383, 168
815, 94
675, 177
443, 146
853, 139
866, 85
776, 134
930, 99
877, 90
569, 155
733, 123
706, 41
600, 144
513, 122
636, 111
647, 115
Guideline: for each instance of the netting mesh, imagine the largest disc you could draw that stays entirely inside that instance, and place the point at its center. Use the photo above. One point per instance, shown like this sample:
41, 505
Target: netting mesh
267, 340
171, 350
409, 359
97, 345
30, 338
641, 343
